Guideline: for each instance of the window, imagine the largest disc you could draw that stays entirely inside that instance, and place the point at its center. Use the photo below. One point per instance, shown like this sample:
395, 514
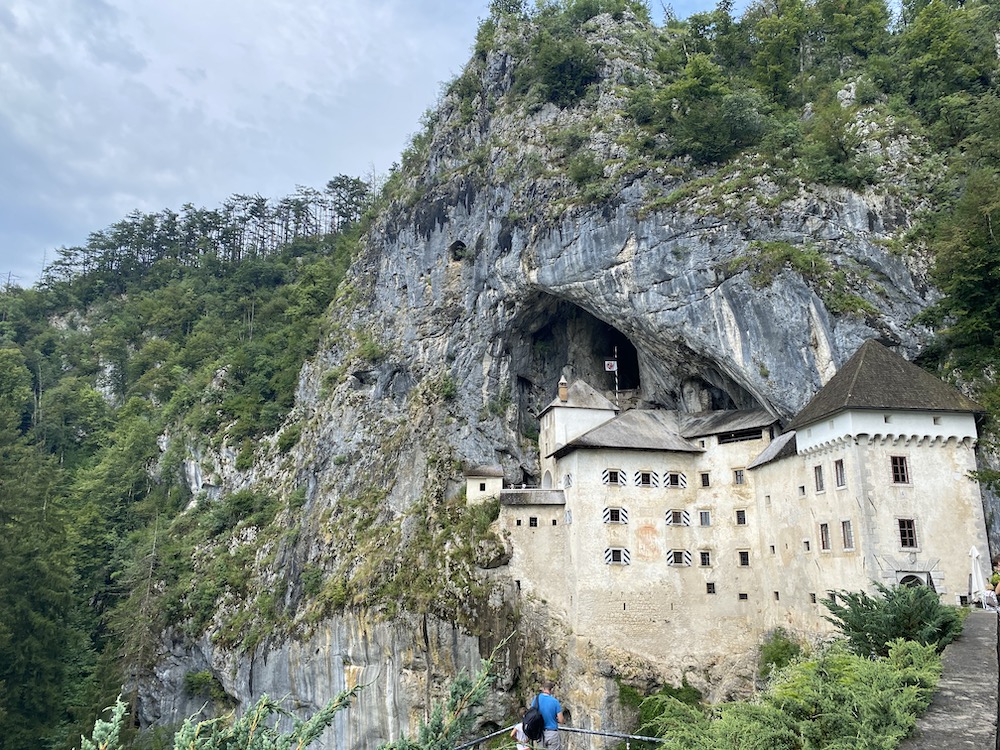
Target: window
482, 486
705, 559
678, 518
739, 436
937, 420
900, 474
744, 558
675, 479
705, 482
646, 479
709, 588
818, 475
568, 481
824, 536
518, 521
615, 515
738, 477
742, 597
705, 517
777, 596
613, 476
802, 490
812, 598
805, 543
887, 419
616, 556
839, 476
848, 533
678, 558
772, 549
532, 521
907, 533
554, 522
741, 518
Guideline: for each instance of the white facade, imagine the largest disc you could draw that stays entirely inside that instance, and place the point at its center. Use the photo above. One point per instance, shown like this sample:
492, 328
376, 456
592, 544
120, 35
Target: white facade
689, 556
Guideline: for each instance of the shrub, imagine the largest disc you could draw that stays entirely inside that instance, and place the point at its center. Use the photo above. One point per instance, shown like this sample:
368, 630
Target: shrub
777, 651
872, 623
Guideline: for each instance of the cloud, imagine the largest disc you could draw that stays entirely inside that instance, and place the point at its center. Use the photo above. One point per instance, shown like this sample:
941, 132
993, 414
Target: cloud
107, 106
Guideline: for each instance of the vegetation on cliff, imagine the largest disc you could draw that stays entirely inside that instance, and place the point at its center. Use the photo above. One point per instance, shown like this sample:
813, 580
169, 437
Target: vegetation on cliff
172, 336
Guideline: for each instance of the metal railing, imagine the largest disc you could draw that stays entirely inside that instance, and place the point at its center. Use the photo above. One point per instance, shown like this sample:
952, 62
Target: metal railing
616, 735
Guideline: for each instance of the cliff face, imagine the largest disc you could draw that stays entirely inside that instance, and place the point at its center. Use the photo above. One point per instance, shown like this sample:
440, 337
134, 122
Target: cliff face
491, 275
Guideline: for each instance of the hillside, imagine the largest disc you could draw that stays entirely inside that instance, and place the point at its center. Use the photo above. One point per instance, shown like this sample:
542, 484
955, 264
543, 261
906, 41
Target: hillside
235, 438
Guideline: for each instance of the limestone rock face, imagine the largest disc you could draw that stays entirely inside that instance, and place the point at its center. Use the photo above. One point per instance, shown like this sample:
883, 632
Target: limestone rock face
487, 279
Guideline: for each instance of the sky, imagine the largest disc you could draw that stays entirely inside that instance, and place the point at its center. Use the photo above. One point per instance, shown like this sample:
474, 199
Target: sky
110, 106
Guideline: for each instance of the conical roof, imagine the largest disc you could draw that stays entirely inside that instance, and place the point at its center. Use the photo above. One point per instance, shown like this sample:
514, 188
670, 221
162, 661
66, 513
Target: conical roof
878, 379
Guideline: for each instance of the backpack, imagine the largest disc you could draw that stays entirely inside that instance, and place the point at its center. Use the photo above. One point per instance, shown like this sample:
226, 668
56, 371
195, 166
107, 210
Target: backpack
533, 724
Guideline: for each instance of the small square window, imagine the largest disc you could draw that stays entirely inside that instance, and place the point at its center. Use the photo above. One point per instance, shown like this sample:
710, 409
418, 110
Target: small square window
741, 518
645, 479
743, 597
937, 420
705, 481
805, 543
705, 517
553, 522
613, 477
616, 555
614, 515
772, 549
812, 598
675, 479
744, 558
677, 556
738, 476
482, 486
777, 596
677, 517
705, 558
532, 521
802, 490
518, 521
709, 588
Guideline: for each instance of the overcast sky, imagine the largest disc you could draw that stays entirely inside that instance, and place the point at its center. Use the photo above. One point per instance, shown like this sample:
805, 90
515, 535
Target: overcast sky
107, 106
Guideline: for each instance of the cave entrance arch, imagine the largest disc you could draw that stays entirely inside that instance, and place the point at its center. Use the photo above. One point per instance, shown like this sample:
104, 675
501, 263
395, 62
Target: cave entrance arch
551, 337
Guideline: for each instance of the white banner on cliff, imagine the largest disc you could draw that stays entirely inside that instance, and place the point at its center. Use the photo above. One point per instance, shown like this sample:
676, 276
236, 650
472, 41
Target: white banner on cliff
611, 365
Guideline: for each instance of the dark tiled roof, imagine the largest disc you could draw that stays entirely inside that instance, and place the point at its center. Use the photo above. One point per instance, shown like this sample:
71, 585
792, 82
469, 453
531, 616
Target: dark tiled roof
634, 430
580, 395
484, 471
719, 422
877, 378
781, 447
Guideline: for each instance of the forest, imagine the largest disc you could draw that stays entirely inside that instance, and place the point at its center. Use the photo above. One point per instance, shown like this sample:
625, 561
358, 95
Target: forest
197, 322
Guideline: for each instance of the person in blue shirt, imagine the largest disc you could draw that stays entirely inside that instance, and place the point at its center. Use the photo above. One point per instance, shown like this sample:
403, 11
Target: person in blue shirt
551, 711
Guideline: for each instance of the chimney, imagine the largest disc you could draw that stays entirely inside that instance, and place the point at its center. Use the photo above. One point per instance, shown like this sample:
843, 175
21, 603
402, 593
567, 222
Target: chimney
563, 390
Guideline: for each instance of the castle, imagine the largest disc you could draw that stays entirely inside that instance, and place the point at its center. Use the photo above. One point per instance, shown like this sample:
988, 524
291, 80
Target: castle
683, 537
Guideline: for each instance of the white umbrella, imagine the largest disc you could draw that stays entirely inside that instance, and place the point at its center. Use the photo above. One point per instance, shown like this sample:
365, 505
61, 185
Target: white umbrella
977, 584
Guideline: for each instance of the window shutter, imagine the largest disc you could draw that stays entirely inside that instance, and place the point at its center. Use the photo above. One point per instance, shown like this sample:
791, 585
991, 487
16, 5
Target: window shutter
683, 480
623, 514
606, 476
626, 558
607, 556
687, 558
686, 519
607, 515
621, 477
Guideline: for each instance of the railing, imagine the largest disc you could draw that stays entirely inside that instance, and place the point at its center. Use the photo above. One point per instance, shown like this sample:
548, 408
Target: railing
616, 735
